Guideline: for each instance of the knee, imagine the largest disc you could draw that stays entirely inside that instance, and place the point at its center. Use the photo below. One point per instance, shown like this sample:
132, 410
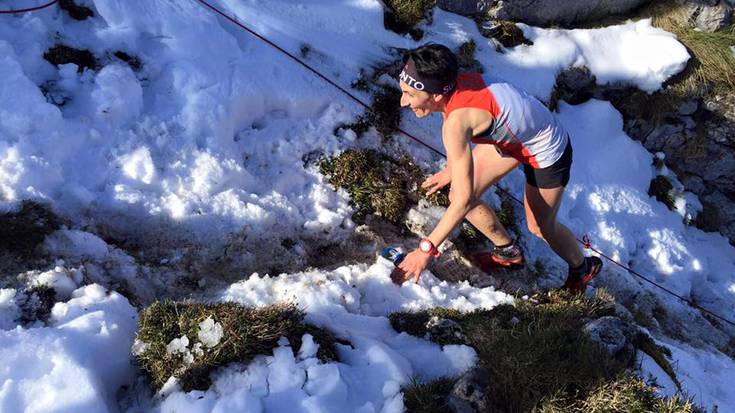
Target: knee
534, 229
542, 229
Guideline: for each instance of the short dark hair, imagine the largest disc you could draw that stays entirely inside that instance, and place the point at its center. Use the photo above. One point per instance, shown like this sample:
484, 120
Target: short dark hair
434, 61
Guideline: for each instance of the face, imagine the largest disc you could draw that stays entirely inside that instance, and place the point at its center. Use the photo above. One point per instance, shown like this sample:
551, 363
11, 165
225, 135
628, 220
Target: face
421, 103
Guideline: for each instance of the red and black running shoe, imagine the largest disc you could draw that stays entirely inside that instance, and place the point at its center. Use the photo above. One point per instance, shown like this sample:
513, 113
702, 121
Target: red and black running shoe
508, 257
576, 282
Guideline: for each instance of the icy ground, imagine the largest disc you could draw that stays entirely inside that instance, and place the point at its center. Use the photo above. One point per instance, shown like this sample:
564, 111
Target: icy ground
197, 159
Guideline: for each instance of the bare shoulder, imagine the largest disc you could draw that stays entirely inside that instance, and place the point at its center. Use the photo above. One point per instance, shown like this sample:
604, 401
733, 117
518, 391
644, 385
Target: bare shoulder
460, 123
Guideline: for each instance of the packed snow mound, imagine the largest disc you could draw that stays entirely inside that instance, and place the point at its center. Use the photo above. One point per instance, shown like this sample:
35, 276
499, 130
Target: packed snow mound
352, 302
77, 363
634, 53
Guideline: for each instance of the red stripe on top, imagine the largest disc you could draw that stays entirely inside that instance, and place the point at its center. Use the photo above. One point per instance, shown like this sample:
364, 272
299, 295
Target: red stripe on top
472, 92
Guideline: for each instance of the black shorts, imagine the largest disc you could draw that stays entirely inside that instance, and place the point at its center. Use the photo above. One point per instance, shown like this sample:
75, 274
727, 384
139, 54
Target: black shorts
552, 176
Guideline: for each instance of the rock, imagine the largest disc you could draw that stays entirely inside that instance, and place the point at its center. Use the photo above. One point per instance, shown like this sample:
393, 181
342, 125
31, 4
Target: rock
469, 392
662, 137
506, 33
574, 85
465, 7
614, 334
445, 331
688, 108
709, 17
562, 12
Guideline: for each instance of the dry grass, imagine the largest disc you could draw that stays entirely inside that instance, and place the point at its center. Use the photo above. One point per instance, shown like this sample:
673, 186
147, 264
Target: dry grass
429, 397
247, 333
540, 359
712, 68
22, 231
661, 189
411, 12
377, 183
624, 394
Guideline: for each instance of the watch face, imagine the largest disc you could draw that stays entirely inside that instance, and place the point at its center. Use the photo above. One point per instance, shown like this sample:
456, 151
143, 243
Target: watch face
425, 246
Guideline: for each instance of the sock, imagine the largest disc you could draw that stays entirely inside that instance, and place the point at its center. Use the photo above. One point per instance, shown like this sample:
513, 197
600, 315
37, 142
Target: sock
581, 269
504, 246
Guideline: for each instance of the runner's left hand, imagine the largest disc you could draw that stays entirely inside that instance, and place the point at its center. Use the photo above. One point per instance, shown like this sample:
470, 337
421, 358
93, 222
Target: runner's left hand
410, 267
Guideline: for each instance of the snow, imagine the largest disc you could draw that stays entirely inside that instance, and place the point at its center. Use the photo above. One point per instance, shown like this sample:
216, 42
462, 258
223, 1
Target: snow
210, 332
75, 363
705, 376
206, 144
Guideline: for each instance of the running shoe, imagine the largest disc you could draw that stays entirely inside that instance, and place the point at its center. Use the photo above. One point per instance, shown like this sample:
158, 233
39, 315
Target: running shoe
576, 282
508, 257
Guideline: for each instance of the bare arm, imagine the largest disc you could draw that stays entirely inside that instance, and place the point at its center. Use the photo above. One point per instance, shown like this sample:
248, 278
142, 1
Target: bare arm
456, 137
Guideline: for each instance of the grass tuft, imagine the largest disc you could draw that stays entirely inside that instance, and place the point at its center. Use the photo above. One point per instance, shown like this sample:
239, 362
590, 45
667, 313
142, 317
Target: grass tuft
505, 32
132, 61
75, 11
62, 54
661, 188
410, 12
624, 393
712, 67
37, 305
532, 350
22, 231
247, 332
466, 57
428, 397
377, 183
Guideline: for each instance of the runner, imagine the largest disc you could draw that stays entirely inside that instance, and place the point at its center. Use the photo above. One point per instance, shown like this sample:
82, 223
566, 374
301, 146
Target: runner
510, 128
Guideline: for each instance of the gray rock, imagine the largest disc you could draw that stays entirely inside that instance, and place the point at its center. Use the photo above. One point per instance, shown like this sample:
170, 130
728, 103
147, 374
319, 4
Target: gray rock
445, 331
574, 85
710, 18
563, 12
465, 7
613, 334
661, 137
688, 108
469, 392
688, 122
694, 184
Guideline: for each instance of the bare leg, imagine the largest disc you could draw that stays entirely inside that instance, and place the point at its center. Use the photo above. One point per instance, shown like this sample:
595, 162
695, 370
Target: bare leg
541, 206
489, 167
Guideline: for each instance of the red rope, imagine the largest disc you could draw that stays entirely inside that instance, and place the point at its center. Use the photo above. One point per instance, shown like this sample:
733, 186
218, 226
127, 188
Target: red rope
585, 241
49, 4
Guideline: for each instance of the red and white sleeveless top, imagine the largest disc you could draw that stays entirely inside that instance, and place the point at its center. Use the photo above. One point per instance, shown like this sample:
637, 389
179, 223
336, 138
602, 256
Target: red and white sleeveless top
522, 127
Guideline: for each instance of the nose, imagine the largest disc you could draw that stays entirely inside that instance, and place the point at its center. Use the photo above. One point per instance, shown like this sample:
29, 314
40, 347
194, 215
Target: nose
404, 100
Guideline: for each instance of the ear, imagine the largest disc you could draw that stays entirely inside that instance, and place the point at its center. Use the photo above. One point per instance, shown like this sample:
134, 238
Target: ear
437, 97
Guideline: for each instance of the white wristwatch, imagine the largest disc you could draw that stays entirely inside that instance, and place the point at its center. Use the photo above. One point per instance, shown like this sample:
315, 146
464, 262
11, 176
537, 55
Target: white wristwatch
426, 246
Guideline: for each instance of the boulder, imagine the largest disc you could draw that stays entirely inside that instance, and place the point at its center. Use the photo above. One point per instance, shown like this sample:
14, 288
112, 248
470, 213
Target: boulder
465, 7
709, 17
560, 12
613, 334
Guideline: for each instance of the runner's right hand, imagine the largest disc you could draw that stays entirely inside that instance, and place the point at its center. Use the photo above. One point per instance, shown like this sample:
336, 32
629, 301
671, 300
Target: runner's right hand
437, 181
